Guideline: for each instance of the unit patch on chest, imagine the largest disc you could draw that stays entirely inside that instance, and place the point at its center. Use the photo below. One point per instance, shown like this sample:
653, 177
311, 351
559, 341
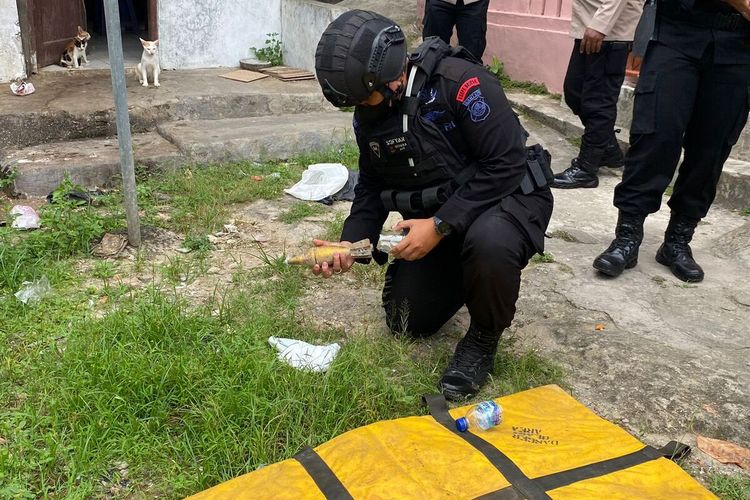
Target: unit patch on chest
396, 145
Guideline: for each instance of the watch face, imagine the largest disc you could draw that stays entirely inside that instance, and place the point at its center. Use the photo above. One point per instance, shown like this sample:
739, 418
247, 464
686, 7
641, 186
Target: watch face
444, 228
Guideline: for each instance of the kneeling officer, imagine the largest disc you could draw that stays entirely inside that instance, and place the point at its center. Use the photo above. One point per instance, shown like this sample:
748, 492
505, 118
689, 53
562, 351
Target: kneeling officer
440, 144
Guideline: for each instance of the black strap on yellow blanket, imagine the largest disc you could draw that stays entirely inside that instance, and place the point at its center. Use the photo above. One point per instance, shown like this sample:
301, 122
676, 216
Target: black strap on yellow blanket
323, 476
673, 451
515, 476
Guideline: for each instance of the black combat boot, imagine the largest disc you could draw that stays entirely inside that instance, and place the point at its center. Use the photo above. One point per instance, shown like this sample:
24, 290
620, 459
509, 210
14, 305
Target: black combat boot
623, 252
612, 157
470, 365
580, 174
675, 252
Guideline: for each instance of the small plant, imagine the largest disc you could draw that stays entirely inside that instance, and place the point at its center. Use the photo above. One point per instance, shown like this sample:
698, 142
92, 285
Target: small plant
497, 69
745, 212
8, 175
546, 258
272, 51
300, 211
197, 243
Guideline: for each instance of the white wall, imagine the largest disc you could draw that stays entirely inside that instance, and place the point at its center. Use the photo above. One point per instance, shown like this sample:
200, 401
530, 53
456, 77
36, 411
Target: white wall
302, 23
211, 33
11, 51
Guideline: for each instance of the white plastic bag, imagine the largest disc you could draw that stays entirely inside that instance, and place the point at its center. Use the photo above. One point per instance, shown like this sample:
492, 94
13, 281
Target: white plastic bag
319, 181
304, 356
33, 292
25, 217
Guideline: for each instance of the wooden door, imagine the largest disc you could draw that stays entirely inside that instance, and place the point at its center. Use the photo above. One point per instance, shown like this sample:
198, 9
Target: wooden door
53, 24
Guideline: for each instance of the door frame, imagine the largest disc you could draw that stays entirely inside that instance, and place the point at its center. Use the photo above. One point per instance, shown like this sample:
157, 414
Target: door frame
28, 40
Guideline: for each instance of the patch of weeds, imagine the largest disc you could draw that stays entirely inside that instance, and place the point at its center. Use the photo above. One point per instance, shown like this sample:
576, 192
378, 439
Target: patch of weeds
565, 268
574, 141
182, 269
745, 212
517, 371
659, 280
346, 154
669, 190
334, 228
300, 211
371, 274
497, 69
272, 52
729, 487
197, 243
685, 285
546, 258
8, 174
564, 235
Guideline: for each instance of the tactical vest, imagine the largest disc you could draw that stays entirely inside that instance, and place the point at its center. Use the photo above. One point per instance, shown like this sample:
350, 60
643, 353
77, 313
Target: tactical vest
411, 154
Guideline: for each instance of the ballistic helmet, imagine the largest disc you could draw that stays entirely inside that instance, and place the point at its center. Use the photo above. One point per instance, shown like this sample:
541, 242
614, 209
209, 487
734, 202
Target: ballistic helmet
358, 53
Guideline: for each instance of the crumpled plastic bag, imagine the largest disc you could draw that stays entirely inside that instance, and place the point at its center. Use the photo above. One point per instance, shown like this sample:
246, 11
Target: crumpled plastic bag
32, 293
304, 356
319, 181
22, 88
25, 217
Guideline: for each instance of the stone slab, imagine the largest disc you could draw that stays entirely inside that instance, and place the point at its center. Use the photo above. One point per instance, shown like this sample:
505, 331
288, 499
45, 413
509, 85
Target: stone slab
90, 163
259, 138
79, 104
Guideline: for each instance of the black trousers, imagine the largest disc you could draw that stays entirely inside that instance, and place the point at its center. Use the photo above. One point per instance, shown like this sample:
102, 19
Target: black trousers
682, 102
592, 87
481, 270
470, 22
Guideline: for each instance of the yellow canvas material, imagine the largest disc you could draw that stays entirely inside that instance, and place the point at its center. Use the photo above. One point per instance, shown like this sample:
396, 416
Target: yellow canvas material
559, 449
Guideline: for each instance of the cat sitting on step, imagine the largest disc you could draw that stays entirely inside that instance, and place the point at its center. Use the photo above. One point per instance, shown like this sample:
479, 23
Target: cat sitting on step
74, 54
149, 63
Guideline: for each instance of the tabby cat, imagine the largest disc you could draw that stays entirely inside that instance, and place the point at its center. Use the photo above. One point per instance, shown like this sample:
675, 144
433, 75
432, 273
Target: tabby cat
74, 54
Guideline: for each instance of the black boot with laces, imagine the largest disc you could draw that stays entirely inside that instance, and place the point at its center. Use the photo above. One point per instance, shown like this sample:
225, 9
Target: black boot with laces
471, 364
578, 175
623, 252
675, 252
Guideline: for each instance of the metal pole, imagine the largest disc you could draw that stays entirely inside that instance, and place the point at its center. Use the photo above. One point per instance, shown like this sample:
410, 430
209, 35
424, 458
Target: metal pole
120, 91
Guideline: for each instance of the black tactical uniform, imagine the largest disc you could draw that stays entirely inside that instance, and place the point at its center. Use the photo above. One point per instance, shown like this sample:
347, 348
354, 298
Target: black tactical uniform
450, 148
469, 19
693, 93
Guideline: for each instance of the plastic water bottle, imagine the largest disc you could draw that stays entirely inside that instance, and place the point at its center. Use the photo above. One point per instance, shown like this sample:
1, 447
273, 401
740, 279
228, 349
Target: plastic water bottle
481, 417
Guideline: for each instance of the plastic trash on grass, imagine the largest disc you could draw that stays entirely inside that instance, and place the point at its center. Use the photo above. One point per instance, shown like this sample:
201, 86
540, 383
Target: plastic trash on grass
32, 292
22, 88
304, 356
319, 181
25, 217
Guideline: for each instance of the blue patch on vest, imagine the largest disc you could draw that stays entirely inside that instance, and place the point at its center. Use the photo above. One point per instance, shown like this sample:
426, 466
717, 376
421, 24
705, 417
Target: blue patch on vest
434, 115
355, 123
427, 95
478, 108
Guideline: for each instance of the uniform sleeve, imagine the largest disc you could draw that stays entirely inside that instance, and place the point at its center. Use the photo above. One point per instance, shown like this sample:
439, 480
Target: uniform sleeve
368, 214
495, 140
606, 15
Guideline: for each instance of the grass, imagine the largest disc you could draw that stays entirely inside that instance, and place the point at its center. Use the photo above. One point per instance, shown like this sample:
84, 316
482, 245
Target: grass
546, 258
497, 68
98, 380
300, 211
745, 212
729, 487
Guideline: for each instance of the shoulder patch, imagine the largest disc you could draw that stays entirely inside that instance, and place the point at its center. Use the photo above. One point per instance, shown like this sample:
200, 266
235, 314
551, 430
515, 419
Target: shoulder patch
478, 108
465, 87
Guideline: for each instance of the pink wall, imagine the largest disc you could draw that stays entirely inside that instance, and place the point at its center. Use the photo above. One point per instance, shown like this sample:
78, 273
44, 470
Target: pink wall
530, 37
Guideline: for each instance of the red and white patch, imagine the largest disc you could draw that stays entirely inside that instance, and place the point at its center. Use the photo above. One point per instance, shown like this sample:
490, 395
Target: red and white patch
466, 87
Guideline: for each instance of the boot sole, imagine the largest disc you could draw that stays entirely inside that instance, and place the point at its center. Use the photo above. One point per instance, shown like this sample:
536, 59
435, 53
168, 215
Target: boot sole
666, 262
575, 186
614, 273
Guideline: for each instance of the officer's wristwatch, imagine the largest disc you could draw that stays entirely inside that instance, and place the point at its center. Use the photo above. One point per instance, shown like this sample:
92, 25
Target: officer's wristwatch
441, 227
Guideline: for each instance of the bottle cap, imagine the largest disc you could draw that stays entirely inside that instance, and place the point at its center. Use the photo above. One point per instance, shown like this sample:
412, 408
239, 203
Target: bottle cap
462, 424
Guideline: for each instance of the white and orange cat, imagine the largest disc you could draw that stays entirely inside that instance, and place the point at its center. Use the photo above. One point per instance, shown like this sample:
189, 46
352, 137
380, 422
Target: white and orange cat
74, 54
149, 63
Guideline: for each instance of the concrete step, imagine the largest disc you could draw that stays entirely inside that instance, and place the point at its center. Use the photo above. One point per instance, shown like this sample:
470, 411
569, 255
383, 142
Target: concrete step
259, 138
77, 105
90, 163
733, 190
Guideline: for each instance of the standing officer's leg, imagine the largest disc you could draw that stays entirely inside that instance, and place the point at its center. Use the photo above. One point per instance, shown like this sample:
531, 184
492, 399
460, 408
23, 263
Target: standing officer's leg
420, 296
603, 74
439, 19
495, 251
719, 116
664, 101
471, 25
